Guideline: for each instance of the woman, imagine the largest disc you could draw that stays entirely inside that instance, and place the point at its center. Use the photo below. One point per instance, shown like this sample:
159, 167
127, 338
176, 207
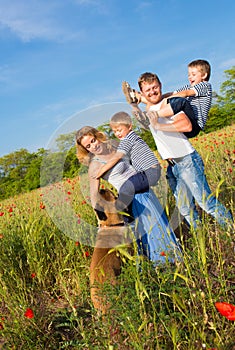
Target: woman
154, 236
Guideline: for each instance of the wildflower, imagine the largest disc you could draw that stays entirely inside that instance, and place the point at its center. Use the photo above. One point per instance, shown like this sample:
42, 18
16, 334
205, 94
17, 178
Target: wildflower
42, 206
1, 235
1, 213
77, 244
33, 275
1, 326
163, 254
69, 192
87, 254
29, 313
10, 210
227, 310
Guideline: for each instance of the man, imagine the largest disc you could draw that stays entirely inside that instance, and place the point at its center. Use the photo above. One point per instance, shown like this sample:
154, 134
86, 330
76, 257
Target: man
185, 172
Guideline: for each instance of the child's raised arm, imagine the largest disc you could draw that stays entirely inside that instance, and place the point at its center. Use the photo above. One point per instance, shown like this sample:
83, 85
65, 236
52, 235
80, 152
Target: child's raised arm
117, 156
184, 93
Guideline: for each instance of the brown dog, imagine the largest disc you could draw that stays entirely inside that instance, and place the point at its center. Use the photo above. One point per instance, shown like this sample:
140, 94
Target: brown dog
106, 264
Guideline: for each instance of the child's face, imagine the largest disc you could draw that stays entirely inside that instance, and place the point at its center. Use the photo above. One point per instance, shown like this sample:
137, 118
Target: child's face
121, 130
195, 76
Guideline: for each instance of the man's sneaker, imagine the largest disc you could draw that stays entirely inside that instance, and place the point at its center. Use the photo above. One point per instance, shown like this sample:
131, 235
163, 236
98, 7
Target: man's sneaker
141, 117
130, 94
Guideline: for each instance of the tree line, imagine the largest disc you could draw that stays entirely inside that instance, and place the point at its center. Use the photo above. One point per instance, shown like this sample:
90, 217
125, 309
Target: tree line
20, 171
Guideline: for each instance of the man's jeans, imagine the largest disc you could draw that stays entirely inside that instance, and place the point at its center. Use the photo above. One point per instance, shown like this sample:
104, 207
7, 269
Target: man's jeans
188, 183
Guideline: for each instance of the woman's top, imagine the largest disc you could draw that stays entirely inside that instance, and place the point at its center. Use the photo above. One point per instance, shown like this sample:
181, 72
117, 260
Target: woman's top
119, 173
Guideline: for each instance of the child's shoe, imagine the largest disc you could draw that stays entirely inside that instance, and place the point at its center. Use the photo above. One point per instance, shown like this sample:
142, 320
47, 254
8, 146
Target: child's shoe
131, 95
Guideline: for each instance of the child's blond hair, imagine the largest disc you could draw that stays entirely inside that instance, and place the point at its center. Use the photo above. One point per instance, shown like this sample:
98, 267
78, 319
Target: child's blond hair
121, 118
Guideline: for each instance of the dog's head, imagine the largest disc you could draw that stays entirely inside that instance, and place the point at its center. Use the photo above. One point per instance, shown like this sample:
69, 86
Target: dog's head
106, 211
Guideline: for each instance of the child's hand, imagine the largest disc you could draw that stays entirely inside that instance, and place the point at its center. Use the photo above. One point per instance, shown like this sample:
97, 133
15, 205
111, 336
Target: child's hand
100, 173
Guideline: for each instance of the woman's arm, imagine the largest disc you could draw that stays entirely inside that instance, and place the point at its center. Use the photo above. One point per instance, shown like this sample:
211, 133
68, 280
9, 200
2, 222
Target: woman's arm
94, 183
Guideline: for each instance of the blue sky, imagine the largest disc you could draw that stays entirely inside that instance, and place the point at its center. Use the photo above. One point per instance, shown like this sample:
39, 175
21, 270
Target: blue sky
62, 61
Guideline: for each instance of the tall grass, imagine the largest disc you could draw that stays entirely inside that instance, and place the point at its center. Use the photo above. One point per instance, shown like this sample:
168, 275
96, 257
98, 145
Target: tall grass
45, 267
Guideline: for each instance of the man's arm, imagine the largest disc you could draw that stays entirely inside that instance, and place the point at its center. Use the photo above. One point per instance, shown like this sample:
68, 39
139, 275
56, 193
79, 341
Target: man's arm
109, 164
181, 123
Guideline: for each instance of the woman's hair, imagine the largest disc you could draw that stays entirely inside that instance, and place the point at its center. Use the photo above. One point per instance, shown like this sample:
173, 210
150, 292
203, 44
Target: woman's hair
83, 155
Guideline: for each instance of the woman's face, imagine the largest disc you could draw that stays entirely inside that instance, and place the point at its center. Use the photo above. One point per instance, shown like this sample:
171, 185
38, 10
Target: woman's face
92, 145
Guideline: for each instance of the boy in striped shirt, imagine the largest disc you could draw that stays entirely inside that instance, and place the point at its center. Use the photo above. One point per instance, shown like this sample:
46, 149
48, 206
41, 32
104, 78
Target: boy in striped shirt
193, 99
138, 152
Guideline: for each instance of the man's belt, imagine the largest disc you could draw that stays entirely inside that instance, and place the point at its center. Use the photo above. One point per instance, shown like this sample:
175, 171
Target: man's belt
173, 161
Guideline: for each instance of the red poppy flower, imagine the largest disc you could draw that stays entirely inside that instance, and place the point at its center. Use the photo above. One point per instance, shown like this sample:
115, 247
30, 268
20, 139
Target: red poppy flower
33, 275
1, 213
42, 206
87, 254
163, 254
29, 313
227, 310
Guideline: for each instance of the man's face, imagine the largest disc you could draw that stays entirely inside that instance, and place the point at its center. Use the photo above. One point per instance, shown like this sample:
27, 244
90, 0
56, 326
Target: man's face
152, 92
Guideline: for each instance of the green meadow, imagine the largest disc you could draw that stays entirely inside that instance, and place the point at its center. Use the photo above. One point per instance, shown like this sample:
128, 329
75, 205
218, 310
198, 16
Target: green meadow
46, 240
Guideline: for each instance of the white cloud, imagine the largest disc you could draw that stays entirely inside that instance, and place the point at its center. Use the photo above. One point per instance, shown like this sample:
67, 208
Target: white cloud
35, 19
228, 63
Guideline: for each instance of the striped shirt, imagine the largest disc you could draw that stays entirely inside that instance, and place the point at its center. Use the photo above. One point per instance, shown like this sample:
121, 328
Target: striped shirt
201, 103
137, 150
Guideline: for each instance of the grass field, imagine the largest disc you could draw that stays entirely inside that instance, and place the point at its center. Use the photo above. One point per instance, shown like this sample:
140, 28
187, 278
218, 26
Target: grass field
46, 239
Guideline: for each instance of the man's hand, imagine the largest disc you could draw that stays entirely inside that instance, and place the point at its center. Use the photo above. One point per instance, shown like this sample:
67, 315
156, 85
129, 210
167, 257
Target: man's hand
180, 123
153, 118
